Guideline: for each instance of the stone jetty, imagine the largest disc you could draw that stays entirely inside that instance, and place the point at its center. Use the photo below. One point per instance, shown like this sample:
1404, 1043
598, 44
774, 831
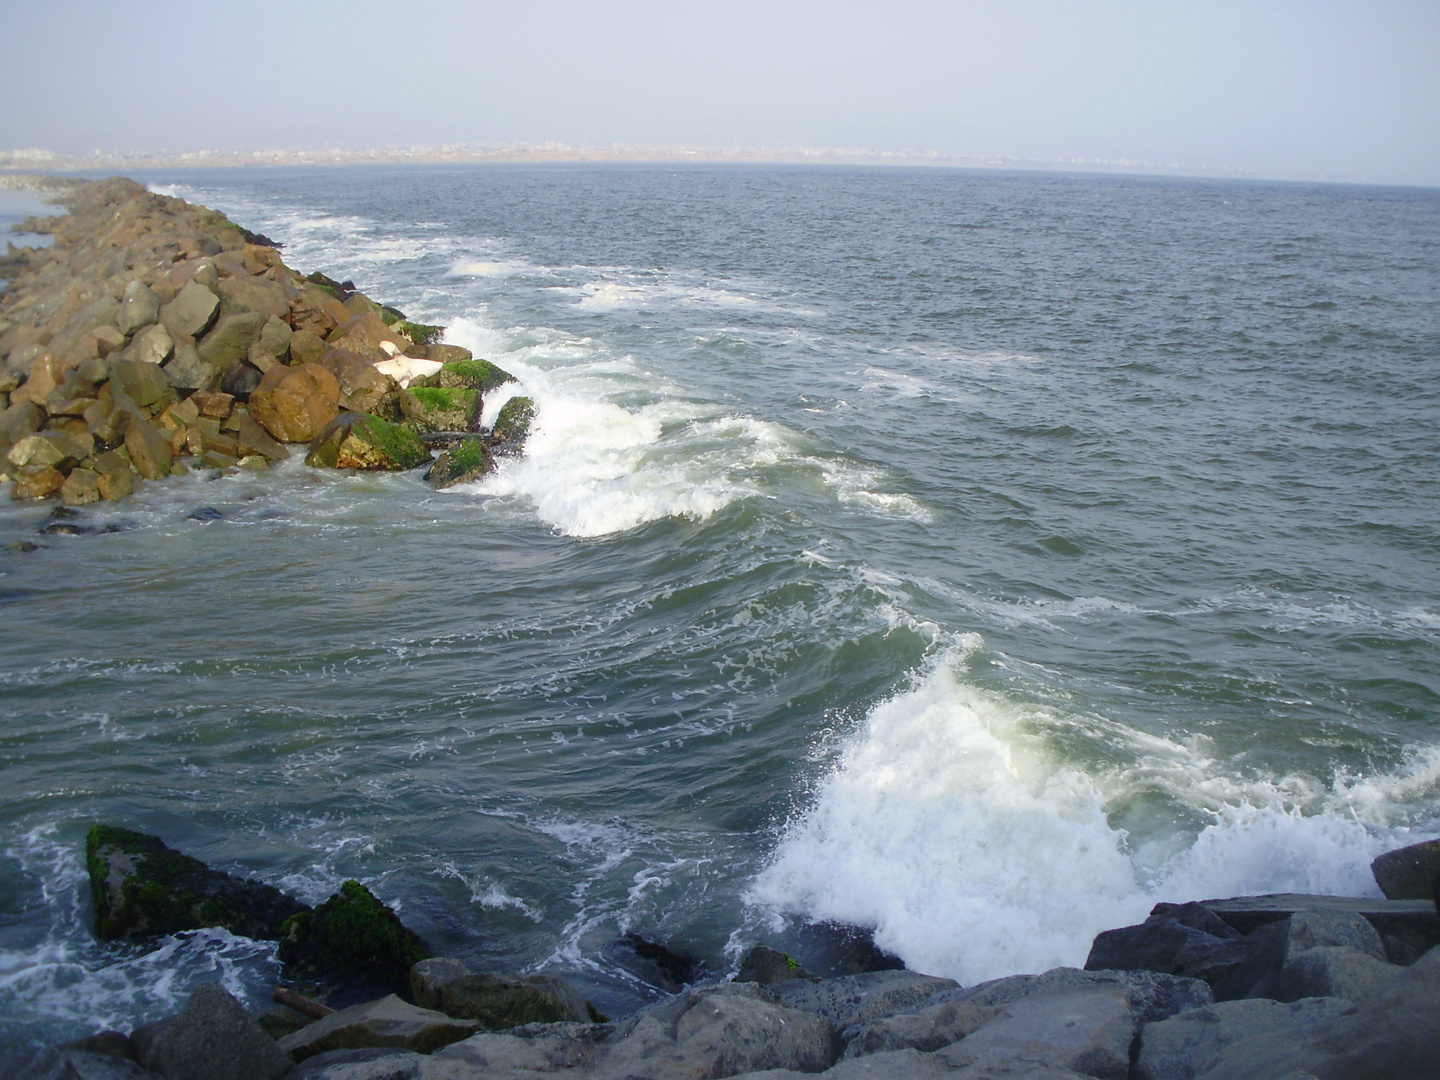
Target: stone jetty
154, 337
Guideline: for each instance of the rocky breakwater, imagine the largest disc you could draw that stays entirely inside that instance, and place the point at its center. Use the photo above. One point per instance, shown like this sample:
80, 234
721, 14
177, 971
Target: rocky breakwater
155, 337
1256, 988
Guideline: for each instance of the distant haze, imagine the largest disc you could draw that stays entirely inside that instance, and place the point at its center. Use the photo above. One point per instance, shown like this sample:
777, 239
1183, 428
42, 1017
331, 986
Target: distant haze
1324, 89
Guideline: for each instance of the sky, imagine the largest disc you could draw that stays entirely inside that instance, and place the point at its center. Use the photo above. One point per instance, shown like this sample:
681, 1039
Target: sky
1323, 89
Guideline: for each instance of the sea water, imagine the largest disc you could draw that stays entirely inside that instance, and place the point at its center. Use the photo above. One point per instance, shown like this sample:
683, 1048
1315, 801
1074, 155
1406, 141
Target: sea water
974, 557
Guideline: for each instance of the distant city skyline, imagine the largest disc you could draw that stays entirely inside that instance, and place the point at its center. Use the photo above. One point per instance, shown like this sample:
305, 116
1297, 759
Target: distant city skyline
1328, 90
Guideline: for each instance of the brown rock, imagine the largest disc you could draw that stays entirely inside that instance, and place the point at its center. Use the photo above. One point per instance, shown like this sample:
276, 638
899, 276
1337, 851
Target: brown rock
152, 345
149, 449
444, 354
37, 483
362, 388
275, 338
108, 339
138, 307
230, 339
261, 359
193, 310
295, 404
317, 311
251, 439
362, 335
187, 371
213, 403
20, 419
115, 483
45, 375
147, 385
307, 347
245, 293
81, 488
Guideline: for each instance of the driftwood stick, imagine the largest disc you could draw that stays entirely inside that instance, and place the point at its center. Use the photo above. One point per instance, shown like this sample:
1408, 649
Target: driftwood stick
313, 1009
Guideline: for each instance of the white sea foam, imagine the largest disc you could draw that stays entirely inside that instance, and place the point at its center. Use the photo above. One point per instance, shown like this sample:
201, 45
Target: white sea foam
950, 827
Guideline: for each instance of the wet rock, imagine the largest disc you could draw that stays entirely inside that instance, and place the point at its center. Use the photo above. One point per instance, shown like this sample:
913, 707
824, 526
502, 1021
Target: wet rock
387, 1023
363, 335
649, 961
142, 888
1332, 971
1086, 1031
419, 333
851, 1001
357, 441
139, 306
149, 449
81, 488
204, 515
193, 310
1409, 873
512, 427
1189, 940
563, 1049
466, 460
252, 439
1275, 944
362, 387
433, 409
765, 965
37, 483
352, 934
307, 347
428, 976
500, 1000
114, 1044
478, 375
1187, 1043
212, 1038
446, 354
20, 419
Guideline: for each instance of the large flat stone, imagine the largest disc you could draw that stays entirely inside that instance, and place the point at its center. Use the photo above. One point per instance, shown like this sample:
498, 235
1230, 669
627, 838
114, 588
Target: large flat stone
1184, 1045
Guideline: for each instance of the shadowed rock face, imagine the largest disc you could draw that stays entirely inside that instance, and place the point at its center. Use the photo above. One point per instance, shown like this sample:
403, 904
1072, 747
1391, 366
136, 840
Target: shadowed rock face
142, 888
352, 935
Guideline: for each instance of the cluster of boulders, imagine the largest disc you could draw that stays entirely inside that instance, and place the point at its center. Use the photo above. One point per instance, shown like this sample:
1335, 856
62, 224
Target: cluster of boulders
1255, 988
155, 336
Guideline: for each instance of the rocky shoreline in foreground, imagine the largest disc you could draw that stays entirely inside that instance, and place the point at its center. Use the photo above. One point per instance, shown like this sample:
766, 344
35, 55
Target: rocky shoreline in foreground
1255, 988
155, 338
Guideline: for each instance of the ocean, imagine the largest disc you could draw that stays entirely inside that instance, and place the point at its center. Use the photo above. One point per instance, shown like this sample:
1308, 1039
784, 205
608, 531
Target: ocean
976, 557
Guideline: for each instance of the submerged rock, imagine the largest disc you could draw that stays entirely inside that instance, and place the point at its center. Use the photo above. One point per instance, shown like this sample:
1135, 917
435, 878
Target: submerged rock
352, 934
143, 888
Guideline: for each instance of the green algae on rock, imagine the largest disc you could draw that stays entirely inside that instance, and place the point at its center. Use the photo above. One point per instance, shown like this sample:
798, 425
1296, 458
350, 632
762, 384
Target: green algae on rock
143, 888
466, 460
429, 408
471, 374
351, 934
512, 425
360, 441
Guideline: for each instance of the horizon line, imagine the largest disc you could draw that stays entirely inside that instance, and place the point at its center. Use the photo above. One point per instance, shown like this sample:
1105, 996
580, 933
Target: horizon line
553, 152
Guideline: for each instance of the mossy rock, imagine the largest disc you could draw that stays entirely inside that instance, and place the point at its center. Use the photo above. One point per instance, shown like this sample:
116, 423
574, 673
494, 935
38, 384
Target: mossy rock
419, 333
352, 934
433, 408
142, 888
765, 965
361, 441
472, 374
513, 424
338, 289
391, 315
467, 460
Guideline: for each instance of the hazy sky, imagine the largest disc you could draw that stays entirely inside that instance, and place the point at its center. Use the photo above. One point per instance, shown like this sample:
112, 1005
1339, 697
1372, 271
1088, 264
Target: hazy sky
1340, 89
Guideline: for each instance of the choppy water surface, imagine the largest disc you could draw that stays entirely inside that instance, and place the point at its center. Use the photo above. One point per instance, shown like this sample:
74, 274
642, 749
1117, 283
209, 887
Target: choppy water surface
975, 557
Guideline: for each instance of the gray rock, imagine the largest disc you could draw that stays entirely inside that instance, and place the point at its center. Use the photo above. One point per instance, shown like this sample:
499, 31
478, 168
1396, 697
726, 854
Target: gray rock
378, 1064
1152, 996
428, 976
924, 1029
1310, 929
187, 371
1333, 971
387, 1023
1186, 1044
64, 1064
212, 1038
765, 965
896, 1065
138, 307
193, 310
718, 1032
499, 1000
1393, 1036
852, 1000
1087, 1031
230, 339
1273, 945
275, 337
541, 1049
1409, 873
1187, 939
205, 274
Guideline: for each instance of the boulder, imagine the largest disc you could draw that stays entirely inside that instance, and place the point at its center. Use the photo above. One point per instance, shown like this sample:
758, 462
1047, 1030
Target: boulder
109, 418
500, 1000
1409, 873
379, 1064
1332, 971
1152, 996
362, 387
428, 976
186, 371
152, 345
81, 488
243, 293
230, 339
143, 383
721, 1031
1393, 1036
1087, 1031
363, 334
1186, 1044
149, 449
47, 449
139, 306
307, 347
512, 425
852, 1000
446, 354
37, 483
388, 1022
45, 374
1273, 945
240, 379
354, 935
924, 1029
478, 375
419, 333
212, 1038
275, 336
108, 339
114, 478
20, 419
466, 460
429, 409
765, 965
250, 440
142, 888
563, 1049
357, 441
295, 404
193, 310
61, 1063
652, 962
1188, 940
